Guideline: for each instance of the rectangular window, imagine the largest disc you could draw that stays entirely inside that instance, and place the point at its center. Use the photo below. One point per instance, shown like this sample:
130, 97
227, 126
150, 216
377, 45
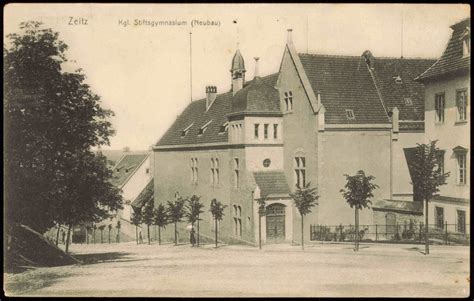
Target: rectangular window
461, 221
461, 168
461, 103
236, 173
237, 212
275, 131
300, 172
439, 218
289, 101
265, 131
439, 107
256, 125
194, 170
214, 171
213, 177
440, 161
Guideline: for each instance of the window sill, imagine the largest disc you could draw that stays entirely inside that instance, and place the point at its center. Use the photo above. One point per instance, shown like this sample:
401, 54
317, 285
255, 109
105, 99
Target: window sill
460, 122
287, 112
439, 123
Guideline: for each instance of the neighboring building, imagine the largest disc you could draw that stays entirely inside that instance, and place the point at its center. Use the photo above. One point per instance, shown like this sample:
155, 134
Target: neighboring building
448, 120
318, 118
133, 173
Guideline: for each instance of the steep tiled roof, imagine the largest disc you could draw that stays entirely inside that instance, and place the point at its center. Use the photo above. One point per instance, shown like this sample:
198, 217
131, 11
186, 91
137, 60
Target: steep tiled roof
452, 60
196, 115
126, 167
145, 195
407, 95
399, 206
344, 82
271, 183
257, 97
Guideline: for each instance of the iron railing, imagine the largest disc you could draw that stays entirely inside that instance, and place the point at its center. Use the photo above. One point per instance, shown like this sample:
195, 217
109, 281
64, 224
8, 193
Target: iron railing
410, 232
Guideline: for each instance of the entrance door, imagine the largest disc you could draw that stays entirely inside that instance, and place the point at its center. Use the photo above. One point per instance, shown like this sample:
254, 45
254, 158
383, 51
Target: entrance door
275, 222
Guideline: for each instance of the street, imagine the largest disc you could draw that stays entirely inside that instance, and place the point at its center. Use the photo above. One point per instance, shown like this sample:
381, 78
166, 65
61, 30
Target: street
321, 270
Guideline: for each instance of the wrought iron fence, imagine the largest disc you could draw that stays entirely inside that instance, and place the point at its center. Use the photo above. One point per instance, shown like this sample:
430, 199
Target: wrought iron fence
447, 234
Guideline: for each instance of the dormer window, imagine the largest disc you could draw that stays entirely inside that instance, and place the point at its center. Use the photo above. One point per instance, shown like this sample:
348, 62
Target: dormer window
186, 130
408, 101
398, 80
350, 114
204, 128
223, 128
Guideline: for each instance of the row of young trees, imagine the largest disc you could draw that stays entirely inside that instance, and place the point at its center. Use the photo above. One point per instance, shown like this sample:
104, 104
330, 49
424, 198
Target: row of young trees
179, 210
52, 123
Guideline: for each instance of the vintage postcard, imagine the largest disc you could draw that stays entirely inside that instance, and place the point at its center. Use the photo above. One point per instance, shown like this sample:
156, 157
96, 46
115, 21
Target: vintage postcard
237, 150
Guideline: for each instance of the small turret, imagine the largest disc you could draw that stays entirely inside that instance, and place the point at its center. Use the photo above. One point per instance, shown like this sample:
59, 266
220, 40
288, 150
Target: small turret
238, 72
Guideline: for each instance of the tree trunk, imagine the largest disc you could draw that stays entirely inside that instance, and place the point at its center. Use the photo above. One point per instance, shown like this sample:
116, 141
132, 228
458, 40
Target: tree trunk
155, 233
109, 236
148, 230
136, 233
159, 235
87, 236
427, 240
93, 234
215, 222
356, 229
175, 235
101, 236
192, 228
197, 241
302, 232
57, 235
260, 231
68, 238
118, 234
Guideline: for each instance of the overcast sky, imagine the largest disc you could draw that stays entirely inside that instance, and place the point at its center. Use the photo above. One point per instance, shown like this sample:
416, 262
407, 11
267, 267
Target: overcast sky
142, 72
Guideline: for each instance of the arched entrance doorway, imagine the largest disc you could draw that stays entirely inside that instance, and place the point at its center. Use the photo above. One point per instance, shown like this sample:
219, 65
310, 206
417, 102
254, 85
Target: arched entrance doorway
275, 217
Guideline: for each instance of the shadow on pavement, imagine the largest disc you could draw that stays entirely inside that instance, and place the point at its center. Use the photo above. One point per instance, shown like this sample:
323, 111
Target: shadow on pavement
102, 257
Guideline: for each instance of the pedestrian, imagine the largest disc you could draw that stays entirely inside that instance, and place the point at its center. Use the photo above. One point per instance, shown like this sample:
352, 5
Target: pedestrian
192, 237
63, 234
140, 238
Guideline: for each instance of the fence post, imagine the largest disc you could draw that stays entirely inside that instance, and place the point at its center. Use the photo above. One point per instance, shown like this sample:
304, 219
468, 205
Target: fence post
376, 234
446, 232
421, 229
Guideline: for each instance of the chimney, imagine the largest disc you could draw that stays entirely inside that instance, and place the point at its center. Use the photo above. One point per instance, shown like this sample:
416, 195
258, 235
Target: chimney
211, 93
289, 38
369, 59
319, 97
256, 67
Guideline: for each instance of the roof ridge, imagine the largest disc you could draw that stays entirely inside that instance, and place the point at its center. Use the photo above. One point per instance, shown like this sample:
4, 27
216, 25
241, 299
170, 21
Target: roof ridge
376, 57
